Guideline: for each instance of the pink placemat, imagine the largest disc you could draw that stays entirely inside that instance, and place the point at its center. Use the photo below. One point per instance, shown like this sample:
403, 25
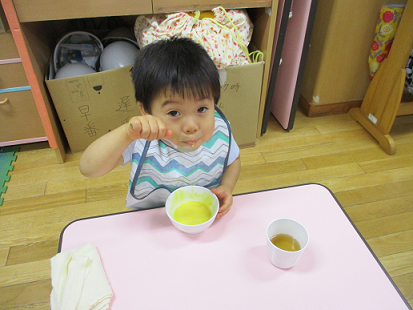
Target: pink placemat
152, 265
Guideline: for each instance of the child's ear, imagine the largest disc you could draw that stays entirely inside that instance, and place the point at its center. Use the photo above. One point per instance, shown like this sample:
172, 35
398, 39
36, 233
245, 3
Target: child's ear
141, 107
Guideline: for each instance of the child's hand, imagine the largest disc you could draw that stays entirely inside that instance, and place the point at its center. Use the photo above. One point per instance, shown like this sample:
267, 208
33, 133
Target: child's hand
147, 127
225, 199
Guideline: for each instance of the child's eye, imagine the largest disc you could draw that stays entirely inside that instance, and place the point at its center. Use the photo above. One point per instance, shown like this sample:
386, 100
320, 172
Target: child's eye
202, 109
173, 113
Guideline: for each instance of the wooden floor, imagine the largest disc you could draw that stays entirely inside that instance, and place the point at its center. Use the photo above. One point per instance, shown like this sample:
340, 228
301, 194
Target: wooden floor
375, 189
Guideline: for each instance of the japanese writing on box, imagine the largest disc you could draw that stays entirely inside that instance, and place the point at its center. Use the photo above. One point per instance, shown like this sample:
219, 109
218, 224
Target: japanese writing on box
88, 110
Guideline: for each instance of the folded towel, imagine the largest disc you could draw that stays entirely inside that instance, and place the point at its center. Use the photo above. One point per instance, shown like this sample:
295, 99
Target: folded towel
79, 281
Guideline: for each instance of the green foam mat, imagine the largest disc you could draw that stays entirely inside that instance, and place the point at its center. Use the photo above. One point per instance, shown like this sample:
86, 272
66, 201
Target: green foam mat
7, 157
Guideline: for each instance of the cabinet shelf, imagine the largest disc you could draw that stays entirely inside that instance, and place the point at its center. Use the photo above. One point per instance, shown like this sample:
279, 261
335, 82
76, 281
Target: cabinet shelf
35, 24
42, 10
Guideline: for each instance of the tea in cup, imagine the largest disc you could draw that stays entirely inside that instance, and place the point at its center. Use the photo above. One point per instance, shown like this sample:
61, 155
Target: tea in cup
286, 241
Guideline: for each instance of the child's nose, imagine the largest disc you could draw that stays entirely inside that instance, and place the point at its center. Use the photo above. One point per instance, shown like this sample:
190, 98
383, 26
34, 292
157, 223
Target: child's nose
190, 126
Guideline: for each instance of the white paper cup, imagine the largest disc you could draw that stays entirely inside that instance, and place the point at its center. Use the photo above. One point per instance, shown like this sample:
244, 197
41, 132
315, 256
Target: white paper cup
192, 193
281, 258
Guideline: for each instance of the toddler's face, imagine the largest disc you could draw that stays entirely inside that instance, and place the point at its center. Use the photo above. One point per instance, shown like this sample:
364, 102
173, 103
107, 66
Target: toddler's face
192, 121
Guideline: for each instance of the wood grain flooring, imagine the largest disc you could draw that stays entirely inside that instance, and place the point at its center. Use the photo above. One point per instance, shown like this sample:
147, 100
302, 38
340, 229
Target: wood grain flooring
375, 189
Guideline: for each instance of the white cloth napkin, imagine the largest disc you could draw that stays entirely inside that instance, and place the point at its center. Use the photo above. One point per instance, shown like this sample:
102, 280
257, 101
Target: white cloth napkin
79, 281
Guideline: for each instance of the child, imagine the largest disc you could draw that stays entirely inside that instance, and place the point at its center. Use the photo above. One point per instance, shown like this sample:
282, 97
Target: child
181, 138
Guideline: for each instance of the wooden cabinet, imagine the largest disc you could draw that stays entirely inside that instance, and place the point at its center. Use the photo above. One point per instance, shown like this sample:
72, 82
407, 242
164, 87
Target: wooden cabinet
12, 75
19, 119
8, 49
162, 6
34, 21
39, 10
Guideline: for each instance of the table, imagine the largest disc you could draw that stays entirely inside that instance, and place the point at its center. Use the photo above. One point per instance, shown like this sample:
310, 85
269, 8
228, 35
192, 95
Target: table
152, 265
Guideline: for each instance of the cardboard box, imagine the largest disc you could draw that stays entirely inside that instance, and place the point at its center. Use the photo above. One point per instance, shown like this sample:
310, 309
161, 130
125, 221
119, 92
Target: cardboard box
240, 100
91, 105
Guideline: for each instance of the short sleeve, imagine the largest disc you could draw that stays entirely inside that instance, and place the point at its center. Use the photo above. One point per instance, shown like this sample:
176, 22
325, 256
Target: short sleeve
127, 154
233, 151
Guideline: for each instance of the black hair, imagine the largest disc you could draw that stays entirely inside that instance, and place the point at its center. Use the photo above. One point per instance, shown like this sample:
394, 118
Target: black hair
178, 65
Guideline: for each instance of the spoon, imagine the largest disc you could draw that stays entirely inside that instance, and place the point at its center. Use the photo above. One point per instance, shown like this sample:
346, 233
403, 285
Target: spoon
179, 148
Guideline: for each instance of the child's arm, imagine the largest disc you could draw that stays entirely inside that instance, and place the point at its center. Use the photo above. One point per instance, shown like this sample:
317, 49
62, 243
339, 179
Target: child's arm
105, 153
224, 190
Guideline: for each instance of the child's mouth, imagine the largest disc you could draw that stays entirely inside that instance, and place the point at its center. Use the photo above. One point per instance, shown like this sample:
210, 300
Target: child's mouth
190, 142
189, 148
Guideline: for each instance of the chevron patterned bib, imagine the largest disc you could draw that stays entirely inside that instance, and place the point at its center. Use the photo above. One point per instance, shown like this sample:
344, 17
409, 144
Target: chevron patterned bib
158, 169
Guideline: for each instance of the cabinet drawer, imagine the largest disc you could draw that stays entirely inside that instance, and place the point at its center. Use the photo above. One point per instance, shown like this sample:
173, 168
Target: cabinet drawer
19, 118
8, 47
12, 75
163, 6
37, 10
